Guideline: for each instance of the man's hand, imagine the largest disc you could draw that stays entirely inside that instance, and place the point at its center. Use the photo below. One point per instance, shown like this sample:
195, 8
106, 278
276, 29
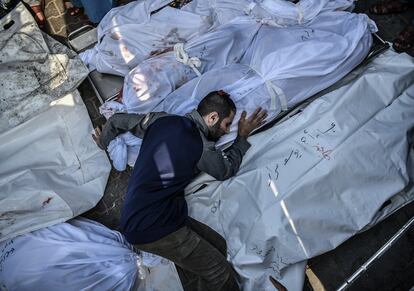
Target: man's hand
246, 126
97, 137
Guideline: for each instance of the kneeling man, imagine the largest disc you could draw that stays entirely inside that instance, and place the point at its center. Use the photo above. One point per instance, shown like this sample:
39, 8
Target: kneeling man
174, 150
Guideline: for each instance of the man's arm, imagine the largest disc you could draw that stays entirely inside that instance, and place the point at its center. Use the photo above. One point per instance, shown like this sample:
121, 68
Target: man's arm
120, 123
223, 165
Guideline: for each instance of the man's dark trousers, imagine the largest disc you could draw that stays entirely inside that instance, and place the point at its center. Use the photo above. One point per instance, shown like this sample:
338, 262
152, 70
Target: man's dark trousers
199, 254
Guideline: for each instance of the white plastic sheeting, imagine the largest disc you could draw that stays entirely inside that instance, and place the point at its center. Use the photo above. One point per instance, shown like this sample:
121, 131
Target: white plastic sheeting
317, 179
273, 71
300, 64
129, 34
221, 11
151, 81
51, 169
274, 12
81, 255
124, 150
35, 69
286, 13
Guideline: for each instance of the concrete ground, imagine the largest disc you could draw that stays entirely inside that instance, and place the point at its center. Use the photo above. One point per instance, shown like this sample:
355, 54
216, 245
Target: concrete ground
393, 271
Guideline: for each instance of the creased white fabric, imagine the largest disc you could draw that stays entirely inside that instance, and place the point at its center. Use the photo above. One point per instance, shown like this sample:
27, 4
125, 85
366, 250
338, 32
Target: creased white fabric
281, 67
221, 11
129, 34
81, 255
152, 80
315, 180
51, 169
284, 13
35, 69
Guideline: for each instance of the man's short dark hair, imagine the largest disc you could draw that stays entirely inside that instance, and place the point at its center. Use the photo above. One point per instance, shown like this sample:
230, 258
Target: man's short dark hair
218, 101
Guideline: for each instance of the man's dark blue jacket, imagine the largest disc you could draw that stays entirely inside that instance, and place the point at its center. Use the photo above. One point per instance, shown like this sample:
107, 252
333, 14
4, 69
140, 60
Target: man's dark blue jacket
174, 149
154, 204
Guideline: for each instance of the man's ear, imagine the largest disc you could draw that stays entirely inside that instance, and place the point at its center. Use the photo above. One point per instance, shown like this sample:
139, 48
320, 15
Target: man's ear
212, 118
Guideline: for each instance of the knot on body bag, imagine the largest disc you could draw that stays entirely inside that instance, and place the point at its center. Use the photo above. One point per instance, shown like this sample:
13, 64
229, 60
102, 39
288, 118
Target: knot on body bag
249, 8
300, 13
275, 93
262, 16
182, 57
142, 272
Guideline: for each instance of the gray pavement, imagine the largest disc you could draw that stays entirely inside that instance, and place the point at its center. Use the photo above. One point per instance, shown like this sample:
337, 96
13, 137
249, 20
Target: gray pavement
394, 271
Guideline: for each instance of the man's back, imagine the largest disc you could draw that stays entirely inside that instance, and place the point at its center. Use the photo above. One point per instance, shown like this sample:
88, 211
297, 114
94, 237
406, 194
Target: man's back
154, 204
155, 217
